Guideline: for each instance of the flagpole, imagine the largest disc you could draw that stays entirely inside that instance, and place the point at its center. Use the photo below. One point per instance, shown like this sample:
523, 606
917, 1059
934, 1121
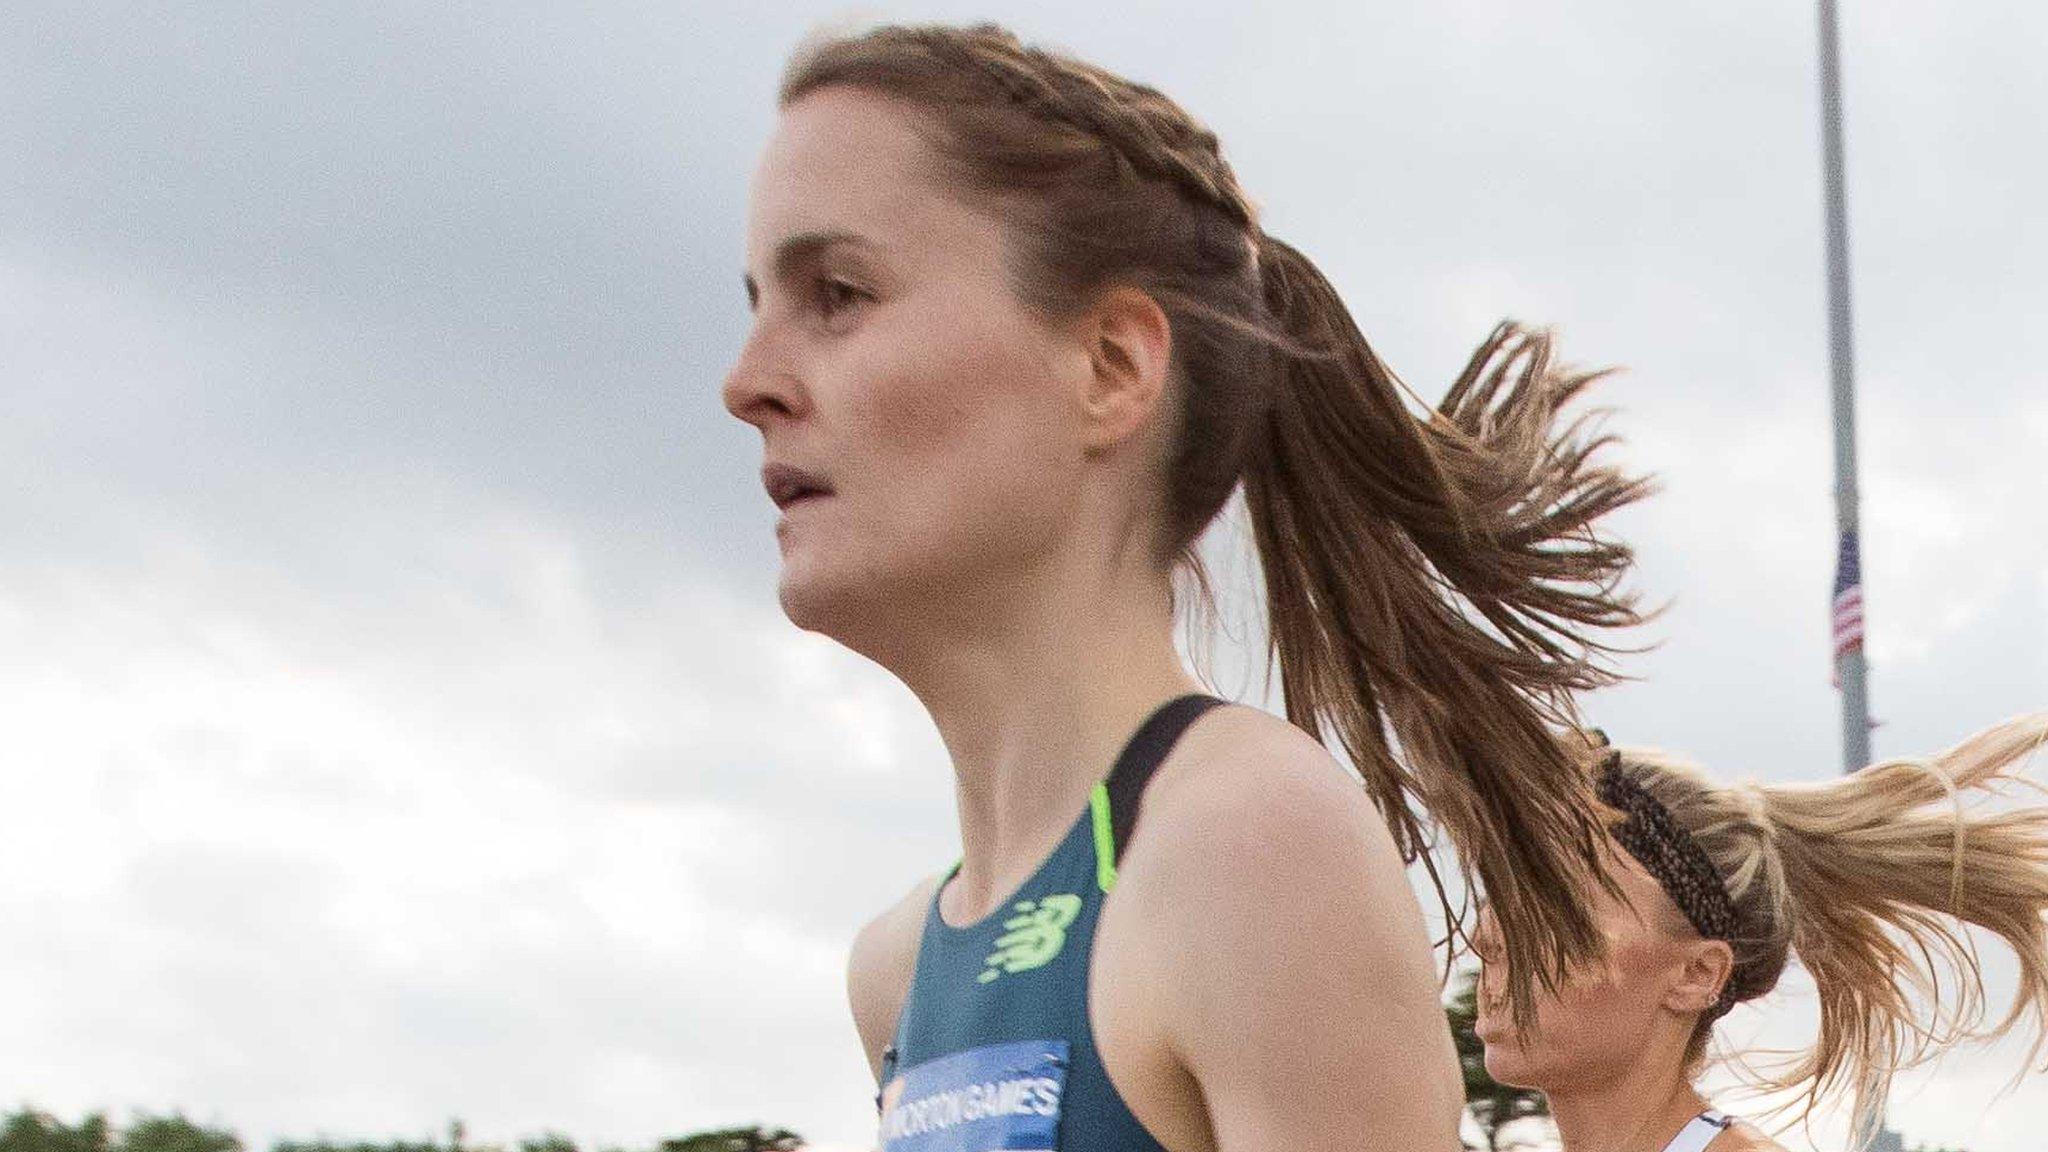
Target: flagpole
1848, 626
1849, 666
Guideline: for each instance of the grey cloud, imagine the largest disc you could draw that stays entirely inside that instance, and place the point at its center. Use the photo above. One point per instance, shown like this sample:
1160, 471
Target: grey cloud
481, 244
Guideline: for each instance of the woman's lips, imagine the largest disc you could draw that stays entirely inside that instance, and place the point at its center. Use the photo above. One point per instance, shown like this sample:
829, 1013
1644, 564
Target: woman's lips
789, 486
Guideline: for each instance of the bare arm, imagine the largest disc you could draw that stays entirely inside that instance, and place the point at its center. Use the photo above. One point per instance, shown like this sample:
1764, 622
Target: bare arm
879, 970
1301, 996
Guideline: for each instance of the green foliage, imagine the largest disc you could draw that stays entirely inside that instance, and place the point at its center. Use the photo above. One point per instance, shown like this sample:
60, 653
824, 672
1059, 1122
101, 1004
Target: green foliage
753, 1139
356, 1146
455, 1143
174, 1133
31, 1131
28, 1130
1493, 1105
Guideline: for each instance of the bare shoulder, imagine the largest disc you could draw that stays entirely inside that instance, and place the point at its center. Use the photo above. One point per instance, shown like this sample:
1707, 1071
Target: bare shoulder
880, 966
1252, 828
1267, 942
1256, 780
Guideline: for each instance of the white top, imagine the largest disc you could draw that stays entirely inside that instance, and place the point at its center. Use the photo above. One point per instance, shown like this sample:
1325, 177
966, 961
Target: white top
1695, 1136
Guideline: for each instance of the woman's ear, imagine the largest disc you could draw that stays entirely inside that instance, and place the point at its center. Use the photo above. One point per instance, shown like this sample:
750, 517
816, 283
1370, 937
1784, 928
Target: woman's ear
1129, 342
1708, 966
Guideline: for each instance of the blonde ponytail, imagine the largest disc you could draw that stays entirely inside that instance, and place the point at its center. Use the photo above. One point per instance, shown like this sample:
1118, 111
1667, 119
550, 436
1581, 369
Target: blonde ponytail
1882, 871
1873, 881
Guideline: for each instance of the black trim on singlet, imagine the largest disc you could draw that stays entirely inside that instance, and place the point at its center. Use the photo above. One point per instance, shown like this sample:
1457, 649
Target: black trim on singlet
1141, 758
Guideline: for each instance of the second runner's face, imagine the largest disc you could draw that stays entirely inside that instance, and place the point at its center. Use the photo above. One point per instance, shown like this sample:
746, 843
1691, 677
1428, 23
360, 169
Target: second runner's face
917, 420
1600, 1022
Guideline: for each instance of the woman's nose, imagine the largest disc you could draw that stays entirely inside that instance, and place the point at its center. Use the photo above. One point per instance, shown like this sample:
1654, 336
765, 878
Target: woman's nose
1486, 938
760, 386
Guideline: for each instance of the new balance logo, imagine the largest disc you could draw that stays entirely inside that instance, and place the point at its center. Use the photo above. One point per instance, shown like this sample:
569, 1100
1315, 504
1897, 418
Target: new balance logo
1033, 937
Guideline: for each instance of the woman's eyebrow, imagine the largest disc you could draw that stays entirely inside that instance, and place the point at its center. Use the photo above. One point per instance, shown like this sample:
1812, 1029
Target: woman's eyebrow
804, 248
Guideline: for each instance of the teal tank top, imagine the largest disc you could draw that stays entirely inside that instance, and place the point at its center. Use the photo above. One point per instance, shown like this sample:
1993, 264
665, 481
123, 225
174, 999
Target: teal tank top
994, 1049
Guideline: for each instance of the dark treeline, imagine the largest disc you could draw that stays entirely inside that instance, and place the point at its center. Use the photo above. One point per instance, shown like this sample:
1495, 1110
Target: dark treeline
31, 1130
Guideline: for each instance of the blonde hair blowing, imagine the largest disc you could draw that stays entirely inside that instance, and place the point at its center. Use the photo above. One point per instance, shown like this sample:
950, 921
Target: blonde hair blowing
1870, 881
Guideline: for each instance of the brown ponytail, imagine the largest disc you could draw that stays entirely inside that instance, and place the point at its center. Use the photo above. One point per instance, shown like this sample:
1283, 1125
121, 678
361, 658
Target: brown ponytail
1433, 580
1871, 880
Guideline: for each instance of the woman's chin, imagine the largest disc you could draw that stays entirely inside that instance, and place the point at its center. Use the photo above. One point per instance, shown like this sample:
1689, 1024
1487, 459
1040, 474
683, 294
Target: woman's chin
1505, 1062
807, 599
823, 599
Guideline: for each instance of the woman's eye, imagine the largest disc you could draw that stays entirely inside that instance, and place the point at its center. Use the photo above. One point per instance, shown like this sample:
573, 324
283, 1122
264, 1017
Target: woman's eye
836, 296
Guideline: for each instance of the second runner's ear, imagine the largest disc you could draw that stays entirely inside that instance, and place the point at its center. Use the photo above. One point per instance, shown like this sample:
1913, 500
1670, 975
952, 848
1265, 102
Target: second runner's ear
1708, 966
1130, 350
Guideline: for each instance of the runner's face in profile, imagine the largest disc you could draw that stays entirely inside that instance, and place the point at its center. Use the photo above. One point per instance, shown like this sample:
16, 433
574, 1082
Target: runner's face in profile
917, 420
1600, 1021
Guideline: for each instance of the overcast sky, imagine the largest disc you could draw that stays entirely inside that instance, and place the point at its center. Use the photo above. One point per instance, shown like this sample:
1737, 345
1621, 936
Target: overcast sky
398, 720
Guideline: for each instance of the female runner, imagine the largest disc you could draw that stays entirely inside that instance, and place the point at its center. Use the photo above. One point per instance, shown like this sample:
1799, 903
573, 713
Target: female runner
1868, 880
1017, 337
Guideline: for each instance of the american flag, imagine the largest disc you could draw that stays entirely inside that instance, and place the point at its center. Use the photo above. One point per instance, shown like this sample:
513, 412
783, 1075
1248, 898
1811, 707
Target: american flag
1848, 608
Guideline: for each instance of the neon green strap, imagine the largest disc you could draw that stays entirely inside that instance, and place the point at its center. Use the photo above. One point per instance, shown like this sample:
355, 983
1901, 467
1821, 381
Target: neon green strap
1105, 842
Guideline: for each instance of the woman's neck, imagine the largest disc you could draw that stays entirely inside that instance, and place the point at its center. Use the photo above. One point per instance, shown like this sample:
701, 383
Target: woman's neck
1034, 692
1641, 1110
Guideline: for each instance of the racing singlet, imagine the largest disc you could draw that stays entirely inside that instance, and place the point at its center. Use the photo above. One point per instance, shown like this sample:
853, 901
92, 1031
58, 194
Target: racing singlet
1700, 1132
994, 1049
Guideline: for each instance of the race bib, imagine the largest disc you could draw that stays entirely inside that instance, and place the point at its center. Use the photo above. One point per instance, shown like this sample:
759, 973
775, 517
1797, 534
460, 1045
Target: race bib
1002, 1098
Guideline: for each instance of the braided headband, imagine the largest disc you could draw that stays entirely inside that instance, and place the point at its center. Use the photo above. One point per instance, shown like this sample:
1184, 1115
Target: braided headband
1669, 853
